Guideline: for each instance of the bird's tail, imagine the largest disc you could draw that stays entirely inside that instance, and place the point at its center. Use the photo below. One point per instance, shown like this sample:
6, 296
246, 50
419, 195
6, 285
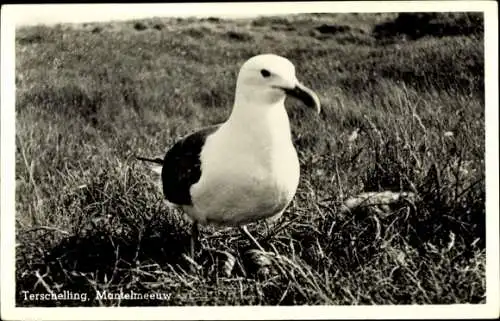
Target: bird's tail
154, 164
156, 160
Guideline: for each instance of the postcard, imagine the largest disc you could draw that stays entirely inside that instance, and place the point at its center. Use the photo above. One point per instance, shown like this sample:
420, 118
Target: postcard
291, 160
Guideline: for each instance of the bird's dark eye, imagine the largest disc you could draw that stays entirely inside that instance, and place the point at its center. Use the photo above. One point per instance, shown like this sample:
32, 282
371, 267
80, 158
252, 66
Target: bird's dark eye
265, 73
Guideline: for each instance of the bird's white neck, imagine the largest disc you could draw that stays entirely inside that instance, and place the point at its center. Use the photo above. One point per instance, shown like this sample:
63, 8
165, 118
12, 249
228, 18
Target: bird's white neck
267, 123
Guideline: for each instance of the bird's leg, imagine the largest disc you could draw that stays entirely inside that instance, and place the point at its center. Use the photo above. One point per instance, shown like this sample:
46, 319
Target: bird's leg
245, 231
194, 238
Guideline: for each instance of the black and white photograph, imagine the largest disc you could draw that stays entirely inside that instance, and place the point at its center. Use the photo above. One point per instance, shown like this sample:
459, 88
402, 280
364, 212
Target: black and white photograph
250, 155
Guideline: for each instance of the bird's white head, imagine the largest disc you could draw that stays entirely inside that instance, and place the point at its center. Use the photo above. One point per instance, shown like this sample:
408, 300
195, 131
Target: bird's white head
267, 79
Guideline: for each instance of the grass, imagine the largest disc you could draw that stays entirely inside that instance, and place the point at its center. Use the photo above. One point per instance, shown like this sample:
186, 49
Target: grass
90, 218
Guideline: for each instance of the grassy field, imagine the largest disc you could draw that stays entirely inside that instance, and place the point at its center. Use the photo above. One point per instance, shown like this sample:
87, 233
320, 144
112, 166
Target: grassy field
92, 96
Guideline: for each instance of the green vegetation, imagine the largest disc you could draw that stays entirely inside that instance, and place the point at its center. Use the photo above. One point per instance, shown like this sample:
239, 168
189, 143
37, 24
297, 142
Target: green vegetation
89, 216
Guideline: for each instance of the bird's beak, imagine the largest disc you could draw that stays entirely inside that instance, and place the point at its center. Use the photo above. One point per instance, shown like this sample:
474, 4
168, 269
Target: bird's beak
305, 94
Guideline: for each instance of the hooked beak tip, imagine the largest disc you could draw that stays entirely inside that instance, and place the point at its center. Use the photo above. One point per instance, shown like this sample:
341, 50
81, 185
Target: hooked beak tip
306, 95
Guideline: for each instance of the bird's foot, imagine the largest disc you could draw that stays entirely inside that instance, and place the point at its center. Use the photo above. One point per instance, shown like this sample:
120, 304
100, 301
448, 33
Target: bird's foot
261, 262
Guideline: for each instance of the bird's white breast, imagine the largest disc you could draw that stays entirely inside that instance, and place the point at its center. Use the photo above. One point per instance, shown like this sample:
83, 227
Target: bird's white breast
247, 174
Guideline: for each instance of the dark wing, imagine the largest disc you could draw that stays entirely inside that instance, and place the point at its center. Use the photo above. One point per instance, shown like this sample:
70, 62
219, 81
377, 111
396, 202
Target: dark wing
182, 166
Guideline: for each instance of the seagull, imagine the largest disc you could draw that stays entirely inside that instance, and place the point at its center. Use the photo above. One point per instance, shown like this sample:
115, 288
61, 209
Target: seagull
245, 169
